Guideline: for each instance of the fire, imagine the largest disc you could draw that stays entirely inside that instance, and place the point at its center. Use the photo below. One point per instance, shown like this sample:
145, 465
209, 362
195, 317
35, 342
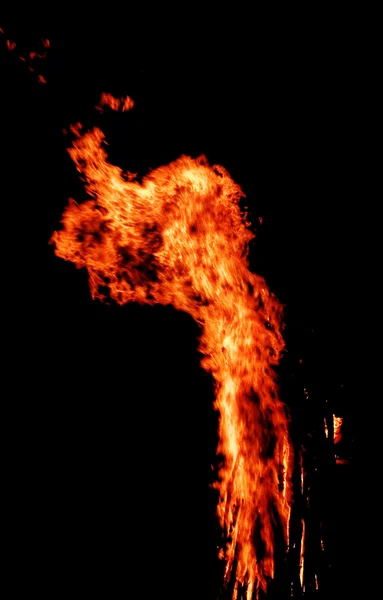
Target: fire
179, 237
11, 45
122, 104
31, 57
337, 425
302, 555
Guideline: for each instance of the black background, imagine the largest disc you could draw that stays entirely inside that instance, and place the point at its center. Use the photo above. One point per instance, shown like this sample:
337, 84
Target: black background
111, 430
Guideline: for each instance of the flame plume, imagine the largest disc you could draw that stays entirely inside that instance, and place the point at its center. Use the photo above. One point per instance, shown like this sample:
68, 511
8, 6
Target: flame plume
179, 238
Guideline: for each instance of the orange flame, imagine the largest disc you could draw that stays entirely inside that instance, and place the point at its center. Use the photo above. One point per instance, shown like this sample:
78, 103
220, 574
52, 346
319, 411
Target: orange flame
179, 238
115, 103
302, 555
337, 424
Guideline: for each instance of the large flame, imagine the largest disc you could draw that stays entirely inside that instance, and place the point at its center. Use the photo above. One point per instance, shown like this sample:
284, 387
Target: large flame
179, 237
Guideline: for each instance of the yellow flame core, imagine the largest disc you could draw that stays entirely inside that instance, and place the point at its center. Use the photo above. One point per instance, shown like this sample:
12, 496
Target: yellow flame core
180, 238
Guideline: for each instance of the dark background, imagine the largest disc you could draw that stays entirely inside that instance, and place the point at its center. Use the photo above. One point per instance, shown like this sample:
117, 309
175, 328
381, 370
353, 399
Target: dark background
110, 425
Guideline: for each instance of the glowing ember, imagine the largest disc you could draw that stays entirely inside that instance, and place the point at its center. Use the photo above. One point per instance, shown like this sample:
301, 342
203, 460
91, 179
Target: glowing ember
179, 238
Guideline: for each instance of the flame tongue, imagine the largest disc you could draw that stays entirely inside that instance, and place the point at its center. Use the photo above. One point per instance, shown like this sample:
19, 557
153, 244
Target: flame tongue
179, 238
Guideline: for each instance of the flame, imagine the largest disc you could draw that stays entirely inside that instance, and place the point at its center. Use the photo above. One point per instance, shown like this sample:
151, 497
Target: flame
179, 238
337, 424
32, 56
302, 555
302, 479
113, 103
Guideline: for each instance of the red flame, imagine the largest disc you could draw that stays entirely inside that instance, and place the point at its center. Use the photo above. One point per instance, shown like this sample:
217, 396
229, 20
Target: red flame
179, 238
31, 56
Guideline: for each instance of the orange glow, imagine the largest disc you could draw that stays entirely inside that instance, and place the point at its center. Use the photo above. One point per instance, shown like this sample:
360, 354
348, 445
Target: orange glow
11, 45
325, 428
179, 238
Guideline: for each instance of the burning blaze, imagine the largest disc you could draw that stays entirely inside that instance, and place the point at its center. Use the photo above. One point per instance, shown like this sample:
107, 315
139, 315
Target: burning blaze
179, 238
